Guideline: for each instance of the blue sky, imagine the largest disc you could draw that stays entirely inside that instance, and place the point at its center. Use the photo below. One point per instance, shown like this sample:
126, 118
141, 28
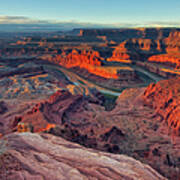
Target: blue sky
94, 11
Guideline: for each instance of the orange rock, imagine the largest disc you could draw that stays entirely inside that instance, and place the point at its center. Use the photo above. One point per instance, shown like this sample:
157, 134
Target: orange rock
164, 98
24, 127
89, 60
166, 58
48, 127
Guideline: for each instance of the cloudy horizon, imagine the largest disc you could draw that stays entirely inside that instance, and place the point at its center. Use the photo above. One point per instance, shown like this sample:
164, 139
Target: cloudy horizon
22, 22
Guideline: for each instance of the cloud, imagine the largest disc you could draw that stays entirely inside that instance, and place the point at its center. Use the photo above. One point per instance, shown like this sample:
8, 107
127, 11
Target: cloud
165, 24
149, 24
20, 20
22, 23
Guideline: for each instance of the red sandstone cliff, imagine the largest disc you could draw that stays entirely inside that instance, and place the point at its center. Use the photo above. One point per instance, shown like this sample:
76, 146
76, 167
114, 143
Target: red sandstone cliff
171, 54
89, 60
81, 59
142, 44
173, 59
164, 97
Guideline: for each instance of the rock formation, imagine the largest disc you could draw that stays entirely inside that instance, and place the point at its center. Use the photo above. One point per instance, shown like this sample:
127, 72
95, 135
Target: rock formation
134, 127
90, 61
172, 59
47, 86
94, 47
164, 97
27, 79
43, 156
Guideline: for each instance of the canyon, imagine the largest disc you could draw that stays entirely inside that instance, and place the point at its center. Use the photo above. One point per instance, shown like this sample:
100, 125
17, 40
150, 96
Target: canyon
102, 98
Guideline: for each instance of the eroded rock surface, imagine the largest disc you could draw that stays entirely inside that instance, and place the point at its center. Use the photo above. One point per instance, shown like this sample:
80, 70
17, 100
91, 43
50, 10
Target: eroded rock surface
164, 97
28, 79
43, 156
134, 127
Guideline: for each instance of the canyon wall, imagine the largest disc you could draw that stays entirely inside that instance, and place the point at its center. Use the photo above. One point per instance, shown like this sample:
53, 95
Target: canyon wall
94, 47
164, 98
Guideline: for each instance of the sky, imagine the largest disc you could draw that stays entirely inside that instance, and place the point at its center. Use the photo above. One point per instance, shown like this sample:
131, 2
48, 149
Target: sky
113, 12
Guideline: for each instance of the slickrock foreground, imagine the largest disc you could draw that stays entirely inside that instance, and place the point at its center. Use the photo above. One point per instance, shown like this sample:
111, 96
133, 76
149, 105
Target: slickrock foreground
43, 156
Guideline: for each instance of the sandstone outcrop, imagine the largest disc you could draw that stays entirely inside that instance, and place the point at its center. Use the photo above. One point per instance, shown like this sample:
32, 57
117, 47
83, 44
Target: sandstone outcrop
94, 47
120, 53
122, 34
81, 59
90, 61
56, 110
43, 156
173, 42
172, 59
164, 97
134, 127
24, 78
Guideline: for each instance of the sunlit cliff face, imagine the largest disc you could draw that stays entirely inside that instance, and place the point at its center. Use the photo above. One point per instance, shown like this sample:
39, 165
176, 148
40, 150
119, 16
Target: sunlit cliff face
90, 61
165, 98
